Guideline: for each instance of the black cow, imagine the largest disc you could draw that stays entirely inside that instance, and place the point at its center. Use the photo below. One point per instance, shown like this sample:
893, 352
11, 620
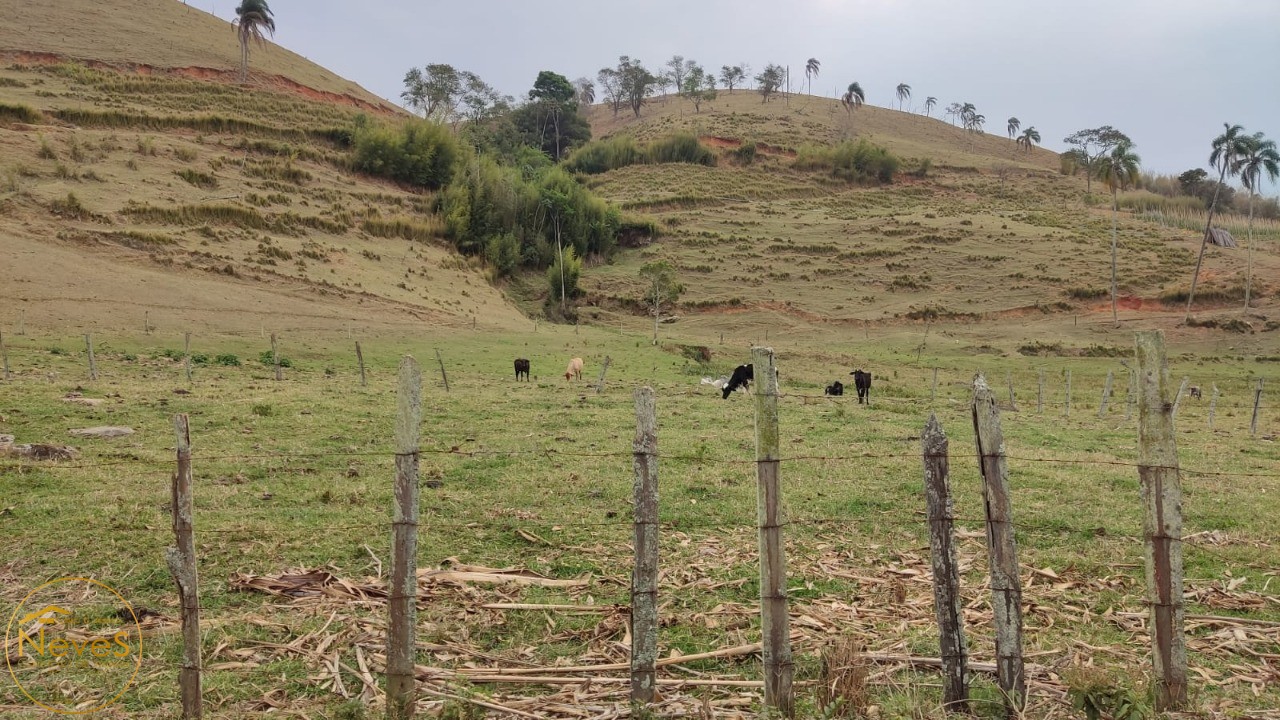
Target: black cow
835, 389
742, 377
862, 381
1195, 392
522, 368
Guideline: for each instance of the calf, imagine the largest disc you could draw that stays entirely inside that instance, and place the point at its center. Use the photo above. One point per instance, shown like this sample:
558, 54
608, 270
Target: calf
862, 381
522, 368
1195, 392
835, 389
574, 370
741, 378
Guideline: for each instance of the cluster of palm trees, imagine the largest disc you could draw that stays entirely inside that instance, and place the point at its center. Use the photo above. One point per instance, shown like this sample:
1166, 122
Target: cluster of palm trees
1249, 157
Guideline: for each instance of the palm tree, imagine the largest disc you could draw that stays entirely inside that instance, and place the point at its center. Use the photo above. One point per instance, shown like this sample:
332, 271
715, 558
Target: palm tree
853, 97
1117, 169
1260, 157
904, 93
1029, 138
252, 17
811, 71
976, 121
1014, 124
585, 91
966, 113
1227, 149
929, 102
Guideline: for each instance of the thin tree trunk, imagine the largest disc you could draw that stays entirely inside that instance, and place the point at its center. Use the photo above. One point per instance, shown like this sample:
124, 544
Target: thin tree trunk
1213, 206
1115, 209
1248, 278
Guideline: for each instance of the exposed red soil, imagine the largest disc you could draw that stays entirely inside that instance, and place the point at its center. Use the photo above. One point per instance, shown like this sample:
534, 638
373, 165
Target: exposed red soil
278, 83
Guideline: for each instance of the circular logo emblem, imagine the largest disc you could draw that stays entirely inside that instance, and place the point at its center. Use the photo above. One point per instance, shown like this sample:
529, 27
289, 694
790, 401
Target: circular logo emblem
73, 645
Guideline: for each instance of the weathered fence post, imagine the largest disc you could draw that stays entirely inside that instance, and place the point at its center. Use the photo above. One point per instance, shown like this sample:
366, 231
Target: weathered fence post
1068, 412
1213, 404
1013, 405
93, 366
1006, 586
186, 355
1257, 403
1133, 393
644, 579
1177, 399
443, 375
22, 324
946, 568
1040, 395
146, 321
181, 559
275, 357
603, 370
1106, 396
4, 355
933, 391
775, 625
403, 586
360, 359
1161, 488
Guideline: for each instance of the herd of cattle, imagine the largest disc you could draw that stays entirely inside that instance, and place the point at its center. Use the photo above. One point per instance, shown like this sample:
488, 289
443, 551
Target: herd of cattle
741, 379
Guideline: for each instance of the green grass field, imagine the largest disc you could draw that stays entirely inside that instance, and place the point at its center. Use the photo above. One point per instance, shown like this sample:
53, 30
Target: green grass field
297, 474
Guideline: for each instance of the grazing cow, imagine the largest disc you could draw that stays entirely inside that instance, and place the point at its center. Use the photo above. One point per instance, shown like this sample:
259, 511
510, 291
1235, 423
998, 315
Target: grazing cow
1195, 392
522, 368
862, 381
741, 378
574, 370
835, 389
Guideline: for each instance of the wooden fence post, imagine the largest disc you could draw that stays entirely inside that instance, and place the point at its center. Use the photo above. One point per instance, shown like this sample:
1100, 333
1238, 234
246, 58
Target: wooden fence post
275, 357
644, 579
93, 366
946, 568
1106, 396
146, 321
933, 392
186, 355
1177, 399
360, 360
1257, 403
22, 324
1006, 586
181, 559
1068, 412
4, 355
403, 586
1013, 405
603, 370
443, 376
1040, 395
1161, 488
775, 625
1213, 404
1131, 399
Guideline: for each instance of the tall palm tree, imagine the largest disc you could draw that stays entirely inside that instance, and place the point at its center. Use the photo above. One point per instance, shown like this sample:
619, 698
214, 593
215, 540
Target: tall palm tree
853, 97
966, 113
1029, 138
904, 93
929, 102
252, 17
1227, 149
811, 69
1014, 124
976, 121
1117, 169
1260, 157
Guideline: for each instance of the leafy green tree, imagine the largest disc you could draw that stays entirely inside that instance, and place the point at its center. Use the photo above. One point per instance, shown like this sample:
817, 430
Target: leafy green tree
611, 87
1029, 138
433, 91
904, 93
1091, 145
811, 69
1260, 158
1014, 124
1118, 169
481, 102
678, 71
419, 153
853, 97
662, 289
563, 276
732, 76
636, 82
699, 87
1228, 148
769, 81
550, 121
252, 18
929, 102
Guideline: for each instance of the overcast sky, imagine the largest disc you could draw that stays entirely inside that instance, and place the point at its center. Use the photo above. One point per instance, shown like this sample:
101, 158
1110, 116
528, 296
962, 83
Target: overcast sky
1168, 73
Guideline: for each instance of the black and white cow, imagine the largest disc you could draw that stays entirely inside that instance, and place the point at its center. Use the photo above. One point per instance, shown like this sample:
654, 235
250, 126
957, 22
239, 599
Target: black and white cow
741, 378
835, 389
862, 381
522, 368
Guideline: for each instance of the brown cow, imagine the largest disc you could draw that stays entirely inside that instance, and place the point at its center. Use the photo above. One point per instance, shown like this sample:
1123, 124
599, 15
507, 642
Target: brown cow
574, 370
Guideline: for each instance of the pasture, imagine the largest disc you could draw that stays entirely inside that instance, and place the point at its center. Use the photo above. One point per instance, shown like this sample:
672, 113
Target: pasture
296, 475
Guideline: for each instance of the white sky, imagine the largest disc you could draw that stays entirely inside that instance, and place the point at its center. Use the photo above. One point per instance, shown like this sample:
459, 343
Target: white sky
1168, 73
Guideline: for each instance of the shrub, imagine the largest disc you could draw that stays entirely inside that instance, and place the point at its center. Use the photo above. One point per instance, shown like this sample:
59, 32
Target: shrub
69, 207
418, 152
502, 252
854, 162
199, 179
265, 358
680, 148
618, 152
746, 153
17, 112
227, 359
572, 272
